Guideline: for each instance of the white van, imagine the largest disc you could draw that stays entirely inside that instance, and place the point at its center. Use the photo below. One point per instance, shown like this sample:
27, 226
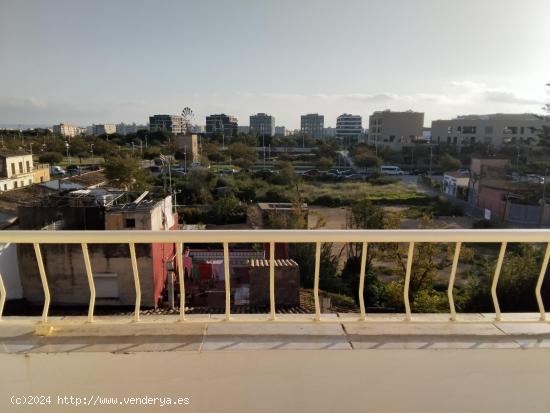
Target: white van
391, 170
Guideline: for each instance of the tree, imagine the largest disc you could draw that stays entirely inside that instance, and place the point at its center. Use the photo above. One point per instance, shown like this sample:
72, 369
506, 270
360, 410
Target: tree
243, 155
50, 157
127, 174
367, 160
324, 163
449, 163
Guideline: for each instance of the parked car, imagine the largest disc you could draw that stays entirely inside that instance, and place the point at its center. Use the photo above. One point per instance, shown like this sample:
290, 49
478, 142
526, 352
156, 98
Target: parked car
391, 170
73, 170
57, 170
228, 171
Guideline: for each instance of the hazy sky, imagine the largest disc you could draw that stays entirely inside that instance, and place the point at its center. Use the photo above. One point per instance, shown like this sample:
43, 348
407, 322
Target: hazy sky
82, 61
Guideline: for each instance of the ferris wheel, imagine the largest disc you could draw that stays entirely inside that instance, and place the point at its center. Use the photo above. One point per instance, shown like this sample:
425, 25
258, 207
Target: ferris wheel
188, 116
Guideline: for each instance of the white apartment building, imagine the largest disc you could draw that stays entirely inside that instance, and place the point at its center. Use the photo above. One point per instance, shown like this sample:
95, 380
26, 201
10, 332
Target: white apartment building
66, 130
494, 129
395, 130
16, 169
101, 129
169, 123
312, 125
349, 127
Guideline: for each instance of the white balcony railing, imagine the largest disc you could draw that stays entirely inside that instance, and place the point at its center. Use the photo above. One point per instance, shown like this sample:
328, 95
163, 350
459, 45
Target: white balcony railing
179, 238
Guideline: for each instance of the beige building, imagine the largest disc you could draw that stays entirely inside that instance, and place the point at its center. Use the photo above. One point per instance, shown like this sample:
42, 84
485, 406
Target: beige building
102, 129
16, 169
189, 143
41, 173
66, 130
495, 130
395, 130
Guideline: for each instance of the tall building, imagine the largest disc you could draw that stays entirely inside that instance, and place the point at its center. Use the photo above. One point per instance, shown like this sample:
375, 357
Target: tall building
66, 130
243, 129
349, 127
168, 123
312, 125
222, 124
394, 130
494, 129
189, 144
329, 132
262, 124
103, 129
280, 131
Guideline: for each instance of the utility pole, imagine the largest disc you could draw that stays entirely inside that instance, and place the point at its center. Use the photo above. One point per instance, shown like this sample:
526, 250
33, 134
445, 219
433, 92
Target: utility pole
431, 155
543, 202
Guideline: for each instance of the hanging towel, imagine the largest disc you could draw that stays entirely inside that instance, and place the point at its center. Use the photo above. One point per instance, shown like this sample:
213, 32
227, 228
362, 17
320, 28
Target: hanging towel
218, 270
205, 270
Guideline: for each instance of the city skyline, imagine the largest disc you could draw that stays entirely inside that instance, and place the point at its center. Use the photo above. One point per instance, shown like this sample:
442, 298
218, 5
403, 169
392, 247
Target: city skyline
63, 66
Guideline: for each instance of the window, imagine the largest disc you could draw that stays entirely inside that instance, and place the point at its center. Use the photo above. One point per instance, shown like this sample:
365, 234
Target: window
449, 129
488, 130
130, 222
15, 184
106, 285
13, 168
30, 181
5, 187
392, 138
510, 130
28, 166
469, 129
41, 179
20, 167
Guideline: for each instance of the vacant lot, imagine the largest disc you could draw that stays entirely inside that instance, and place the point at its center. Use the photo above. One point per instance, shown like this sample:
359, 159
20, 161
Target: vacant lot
348, 192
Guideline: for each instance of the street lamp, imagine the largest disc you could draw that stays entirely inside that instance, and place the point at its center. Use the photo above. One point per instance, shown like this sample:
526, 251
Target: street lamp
67, 147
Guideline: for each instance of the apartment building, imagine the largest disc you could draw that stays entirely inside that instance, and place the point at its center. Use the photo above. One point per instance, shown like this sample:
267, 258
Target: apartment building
349, 127
222, 124
312, 125
395, 130
16, 170
494, 129
66, 130
168, 123
281, 131
102, 129
262, 124
126, 128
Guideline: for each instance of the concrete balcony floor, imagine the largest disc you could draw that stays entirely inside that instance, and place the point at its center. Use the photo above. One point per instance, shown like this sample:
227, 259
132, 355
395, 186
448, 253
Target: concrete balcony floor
381, 365
379, 331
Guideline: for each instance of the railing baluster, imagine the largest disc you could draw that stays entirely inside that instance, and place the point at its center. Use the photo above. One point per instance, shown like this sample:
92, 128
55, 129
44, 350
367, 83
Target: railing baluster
539, 284
44, 280
136, 280
316, 281
2, 296
272, 279
452, 281
496, 276
91, 283
362, 316
181, 271
227, 281
407, 282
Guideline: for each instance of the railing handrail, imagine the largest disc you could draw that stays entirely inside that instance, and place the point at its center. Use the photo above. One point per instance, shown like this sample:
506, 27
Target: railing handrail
225, 237
287, 236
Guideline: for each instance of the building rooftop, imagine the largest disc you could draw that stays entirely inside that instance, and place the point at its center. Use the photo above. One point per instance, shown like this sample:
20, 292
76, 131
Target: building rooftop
5, 153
